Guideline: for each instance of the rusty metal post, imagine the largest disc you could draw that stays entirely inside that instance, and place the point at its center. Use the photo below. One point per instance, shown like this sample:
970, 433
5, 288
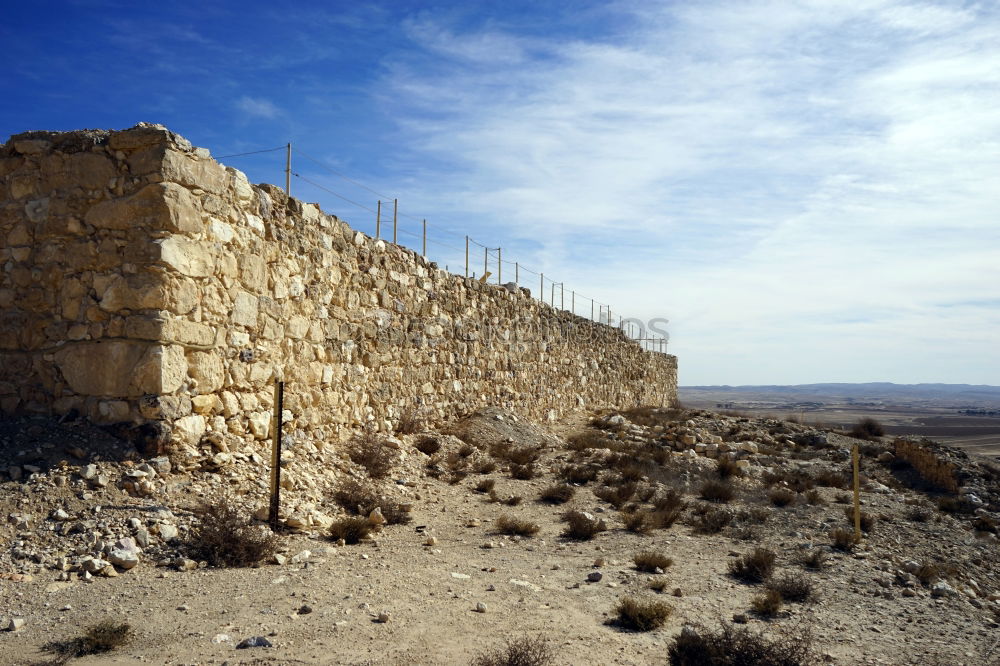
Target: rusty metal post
288, 170
272, 514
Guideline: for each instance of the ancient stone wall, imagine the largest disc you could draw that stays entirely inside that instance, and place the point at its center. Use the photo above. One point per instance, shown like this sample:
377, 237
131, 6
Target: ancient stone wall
144, 282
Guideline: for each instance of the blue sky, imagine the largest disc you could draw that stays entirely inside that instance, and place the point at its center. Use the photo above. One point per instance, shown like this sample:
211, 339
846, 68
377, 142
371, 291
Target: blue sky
808, 190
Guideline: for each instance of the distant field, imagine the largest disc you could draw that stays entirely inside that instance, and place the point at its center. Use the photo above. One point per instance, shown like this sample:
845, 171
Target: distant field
975, 434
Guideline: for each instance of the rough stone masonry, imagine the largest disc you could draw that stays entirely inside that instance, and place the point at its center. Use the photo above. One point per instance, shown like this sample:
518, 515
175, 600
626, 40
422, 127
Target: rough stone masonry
145, 283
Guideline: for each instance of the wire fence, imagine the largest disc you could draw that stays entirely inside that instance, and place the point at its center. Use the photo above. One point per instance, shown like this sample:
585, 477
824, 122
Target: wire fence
460, 253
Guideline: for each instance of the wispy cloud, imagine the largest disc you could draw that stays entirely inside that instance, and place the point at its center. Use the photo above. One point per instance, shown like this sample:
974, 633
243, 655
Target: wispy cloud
768, 175
257, 107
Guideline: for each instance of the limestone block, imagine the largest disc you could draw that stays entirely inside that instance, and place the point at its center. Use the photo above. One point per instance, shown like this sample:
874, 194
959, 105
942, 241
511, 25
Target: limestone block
188, 430
297, 327
186, 256
141, 135
157, 207
253, 272
206, 404
37, 210
244, 310
230, 405
206, 368
260, 424
162, 369
144, 291
113, 411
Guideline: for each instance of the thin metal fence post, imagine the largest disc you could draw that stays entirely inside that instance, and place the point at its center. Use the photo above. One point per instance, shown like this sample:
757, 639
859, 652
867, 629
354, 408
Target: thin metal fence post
499, 266
552, 297
466, 256
572, 301
517, 274
486, 261
562, 295
425, 239
541, 287
288, 169
272, 514
591, 309
395, 208
378, 219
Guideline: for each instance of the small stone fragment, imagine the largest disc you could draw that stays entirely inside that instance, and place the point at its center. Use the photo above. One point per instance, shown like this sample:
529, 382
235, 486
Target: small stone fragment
256, 641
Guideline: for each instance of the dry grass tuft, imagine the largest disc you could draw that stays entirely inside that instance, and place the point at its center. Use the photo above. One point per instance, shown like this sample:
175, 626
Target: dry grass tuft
767, 604
517, 652
814, 559
711, 520
717, 491
831, 479
582, 526
639, 615
781, 496
371, 451
580, 474
843, 540
226, 536
486, 486
649, 561
927, 573
755, 567
97, 639
867, 519
360, 499
523, 472
867, 428
410, 421
507, 524
814, 497
735, 646
792, 588
352, 529
658, 584
558, 493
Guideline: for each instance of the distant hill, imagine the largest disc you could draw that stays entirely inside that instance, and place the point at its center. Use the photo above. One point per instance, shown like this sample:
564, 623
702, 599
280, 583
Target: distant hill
966, 394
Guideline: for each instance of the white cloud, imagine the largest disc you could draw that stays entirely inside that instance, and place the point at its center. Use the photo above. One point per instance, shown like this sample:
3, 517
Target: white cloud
257, 107
795, 185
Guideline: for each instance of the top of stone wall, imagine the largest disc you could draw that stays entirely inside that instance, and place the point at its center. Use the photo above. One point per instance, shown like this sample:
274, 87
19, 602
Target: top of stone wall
138, 136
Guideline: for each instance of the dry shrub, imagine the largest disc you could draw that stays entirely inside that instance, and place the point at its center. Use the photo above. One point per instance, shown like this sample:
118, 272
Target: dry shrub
932, 469
767, 603
755, 567
711, 520
410, 421
226, 536
796, 480
507, 524
360, 499
649, 561
956, 505
524, 455
792, 588
843, 498
927, 573
755, 515
97, 639
730, 645
579, 474
669, 500
484, 466
727, 468
867, 519
517, 652
919, 514
590, 439
510, 500
637, 521
717, 491
781, 496
465, 450
985, 524
351, 529
867, 428
814, 559
558, 493
373, 453
523, 472
658, 584
582, 526
428, 444
814, 497
485, 486
843, 540
831, 479
617, 495
665, 518
641, 615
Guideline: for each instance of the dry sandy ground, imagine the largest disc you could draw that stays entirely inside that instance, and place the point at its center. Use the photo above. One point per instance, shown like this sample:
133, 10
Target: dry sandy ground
324, 611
